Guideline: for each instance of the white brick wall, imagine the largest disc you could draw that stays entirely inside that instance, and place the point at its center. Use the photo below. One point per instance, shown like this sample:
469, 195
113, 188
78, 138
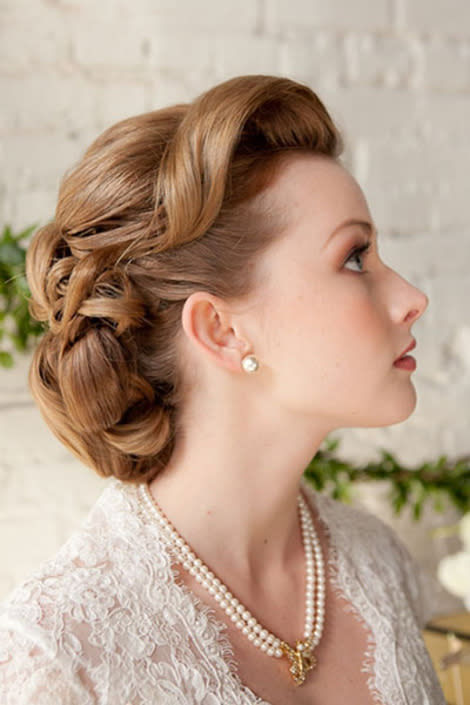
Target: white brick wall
446, 17
305, 15
396, 76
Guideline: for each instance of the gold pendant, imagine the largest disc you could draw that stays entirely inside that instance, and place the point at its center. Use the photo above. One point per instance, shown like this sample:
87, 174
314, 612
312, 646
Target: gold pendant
301, 658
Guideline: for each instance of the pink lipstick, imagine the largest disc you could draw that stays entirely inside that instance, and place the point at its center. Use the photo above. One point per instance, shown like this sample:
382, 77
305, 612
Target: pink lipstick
406, 362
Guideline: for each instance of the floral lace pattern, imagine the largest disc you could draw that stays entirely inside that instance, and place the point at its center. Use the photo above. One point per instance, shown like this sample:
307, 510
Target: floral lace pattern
104, 622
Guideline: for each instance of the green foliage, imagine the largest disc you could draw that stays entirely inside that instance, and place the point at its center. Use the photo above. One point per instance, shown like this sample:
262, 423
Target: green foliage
16, 325
440, 481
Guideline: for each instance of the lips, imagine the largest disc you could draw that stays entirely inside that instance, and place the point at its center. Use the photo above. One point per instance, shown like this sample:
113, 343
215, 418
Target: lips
410, 347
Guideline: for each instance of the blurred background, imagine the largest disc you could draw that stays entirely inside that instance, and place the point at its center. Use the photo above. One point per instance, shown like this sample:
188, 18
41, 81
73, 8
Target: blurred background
395, 75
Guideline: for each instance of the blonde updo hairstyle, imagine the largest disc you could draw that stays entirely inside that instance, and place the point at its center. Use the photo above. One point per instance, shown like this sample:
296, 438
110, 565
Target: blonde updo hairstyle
160, 206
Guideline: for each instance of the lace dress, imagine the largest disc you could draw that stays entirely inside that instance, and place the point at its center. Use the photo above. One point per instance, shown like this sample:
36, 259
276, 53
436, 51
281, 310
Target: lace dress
104, 622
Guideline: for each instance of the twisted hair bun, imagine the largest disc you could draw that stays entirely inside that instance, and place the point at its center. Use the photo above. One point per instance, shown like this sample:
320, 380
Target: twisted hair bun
152, 213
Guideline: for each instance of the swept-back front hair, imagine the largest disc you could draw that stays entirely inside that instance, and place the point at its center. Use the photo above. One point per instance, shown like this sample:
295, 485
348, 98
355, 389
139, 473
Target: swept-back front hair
160, 206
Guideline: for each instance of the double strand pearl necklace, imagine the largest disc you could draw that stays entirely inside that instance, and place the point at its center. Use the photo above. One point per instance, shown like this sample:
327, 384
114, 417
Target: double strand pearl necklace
301, 656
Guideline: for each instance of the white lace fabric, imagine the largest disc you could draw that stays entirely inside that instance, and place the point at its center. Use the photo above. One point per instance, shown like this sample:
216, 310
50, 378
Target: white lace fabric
104, 622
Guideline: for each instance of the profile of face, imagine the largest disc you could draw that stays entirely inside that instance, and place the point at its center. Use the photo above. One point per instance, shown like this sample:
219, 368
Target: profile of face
333, 318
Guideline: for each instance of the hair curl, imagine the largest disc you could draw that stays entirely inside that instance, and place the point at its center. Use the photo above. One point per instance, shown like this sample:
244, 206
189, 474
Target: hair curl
161, 205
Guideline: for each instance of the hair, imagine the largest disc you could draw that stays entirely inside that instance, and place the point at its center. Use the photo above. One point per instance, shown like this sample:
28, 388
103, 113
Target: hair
161, 205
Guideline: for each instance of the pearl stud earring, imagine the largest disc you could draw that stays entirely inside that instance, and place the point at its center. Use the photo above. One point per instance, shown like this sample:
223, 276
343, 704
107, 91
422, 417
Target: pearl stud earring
250, 363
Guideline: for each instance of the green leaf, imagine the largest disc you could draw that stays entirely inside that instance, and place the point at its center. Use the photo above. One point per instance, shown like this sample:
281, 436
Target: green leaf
11, 254
6, 359
331, 444
15, 293
417, 510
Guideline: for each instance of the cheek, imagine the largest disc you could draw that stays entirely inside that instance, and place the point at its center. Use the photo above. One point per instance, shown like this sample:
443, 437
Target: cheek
351, 330
323, 341
349, 354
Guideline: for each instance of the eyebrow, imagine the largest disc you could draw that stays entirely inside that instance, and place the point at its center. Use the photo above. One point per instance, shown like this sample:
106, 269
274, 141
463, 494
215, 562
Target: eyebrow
364, 224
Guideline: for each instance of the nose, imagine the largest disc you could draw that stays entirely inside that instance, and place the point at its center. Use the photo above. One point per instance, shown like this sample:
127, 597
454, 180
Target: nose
408, 303
421, 302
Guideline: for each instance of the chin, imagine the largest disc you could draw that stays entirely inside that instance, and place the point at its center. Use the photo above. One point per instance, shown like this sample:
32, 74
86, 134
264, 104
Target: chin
401, 409
398, 409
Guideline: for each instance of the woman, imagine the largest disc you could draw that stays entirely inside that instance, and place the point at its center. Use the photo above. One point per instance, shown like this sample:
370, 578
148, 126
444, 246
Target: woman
216, 305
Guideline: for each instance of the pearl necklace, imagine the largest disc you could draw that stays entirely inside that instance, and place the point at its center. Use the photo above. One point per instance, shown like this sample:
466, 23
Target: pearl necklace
300, 656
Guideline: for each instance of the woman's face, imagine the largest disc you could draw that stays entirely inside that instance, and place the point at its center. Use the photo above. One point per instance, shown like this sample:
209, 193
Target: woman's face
334, 318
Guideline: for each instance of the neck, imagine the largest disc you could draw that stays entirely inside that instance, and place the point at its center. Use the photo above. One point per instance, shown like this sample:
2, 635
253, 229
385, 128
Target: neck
232, 494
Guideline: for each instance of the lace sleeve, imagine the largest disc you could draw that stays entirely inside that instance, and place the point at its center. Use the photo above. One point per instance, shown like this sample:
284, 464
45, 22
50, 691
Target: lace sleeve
29, 674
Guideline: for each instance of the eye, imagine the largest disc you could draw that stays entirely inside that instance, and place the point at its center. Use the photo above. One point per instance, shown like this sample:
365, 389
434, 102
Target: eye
355, 259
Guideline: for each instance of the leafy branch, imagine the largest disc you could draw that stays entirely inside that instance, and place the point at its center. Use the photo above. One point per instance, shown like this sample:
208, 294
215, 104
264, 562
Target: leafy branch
431, 481
16, 325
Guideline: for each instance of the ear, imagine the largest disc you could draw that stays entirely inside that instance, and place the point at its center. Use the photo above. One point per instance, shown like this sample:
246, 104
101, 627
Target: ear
209, 324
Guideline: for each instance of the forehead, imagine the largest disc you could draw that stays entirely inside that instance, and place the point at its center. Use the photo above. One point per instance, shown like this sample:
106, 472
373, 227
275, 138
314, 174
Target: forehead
320, 190
313, 195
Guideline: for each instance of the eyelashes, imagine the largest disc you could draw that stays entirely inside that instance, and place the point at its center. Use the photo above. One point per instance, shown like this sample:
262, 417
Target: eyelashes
356, 256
